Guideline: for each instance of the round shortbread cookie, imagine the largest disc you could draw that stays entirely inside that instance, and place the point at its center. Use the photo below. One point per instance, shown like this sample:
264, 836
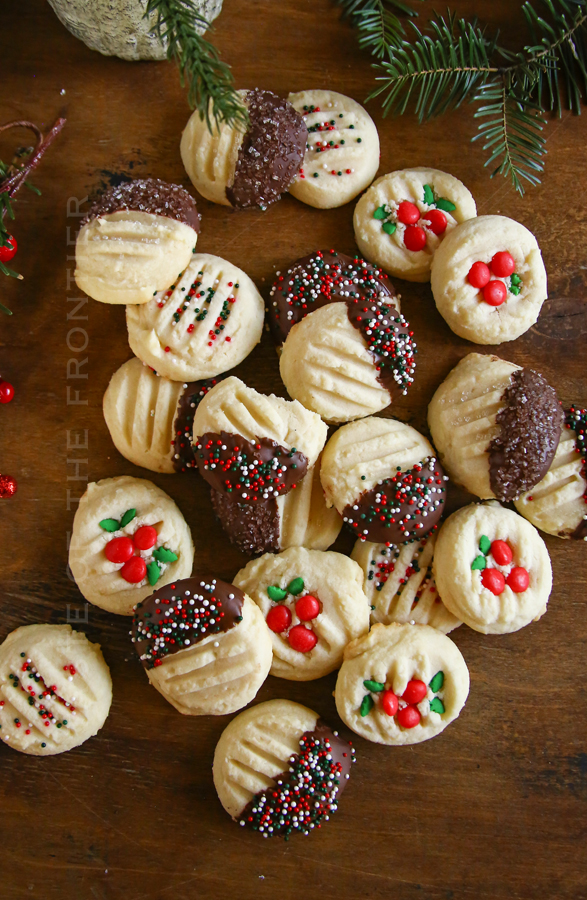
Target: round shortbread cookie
134, 240
55, 689
558, 503
404, 216
207, 322
401, 684
466, 268
246, 168
383, 478
492, 568
313, 603
273, 752
496, 426
400, 586
127, 536
204, 645
342, 149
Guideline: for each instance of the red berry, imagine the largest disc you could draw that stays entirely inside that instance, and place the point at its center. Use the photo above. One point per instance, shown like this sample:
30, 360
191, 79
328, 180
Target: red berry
307, 608
278, 619
479, 275
119, 549
493, 580
6, 392
437, 220
302, 639
408, 213
134, 570
503, 264
518, 580
409, 717
389, 702
145, 537
8, 250
495, 293
8, 486
415, 691
415, 238
501, 553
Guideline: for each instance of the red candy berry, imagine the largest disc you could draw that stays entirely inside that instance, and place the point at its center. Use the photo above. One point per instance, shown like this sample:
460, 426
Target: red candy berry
8, 250
495, 293
134, 570
493, 580
8, 486
436, 221
278, 619
389, 703
501, 553
302, 639
145, 537
409, 717
415, 238
307, 608
479, 275
518, 580
6, 392
503, 264
415, 691
408, 213
119, 549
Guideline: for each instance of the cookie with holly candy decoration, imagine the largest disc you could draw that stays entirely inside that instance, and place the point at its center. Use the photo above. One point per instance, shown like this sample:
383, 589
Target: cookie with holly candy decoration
204, 645
55, 689
313, 603
496, 426
558, 503
402, 219
280, 770
492, 568
128, 536
207, 322
384, 479
400, 586
246, 168
342, 149
134, 240
401, 684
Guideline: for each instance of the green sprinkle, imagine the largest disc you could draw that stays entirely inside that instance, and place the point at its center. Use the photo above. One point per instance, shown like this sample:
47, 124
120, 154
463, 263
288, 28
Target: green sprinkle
315, 175
165, 555
484, 544
127, 517
367, 704
389, 227
428, 195
514, 289
109, 524
296, 586
276, 593
479, 563
437, 682
363, 477
380, 213
446, 205
359, 140
238, 618
515, 279
375, 686
437, 706
153, 572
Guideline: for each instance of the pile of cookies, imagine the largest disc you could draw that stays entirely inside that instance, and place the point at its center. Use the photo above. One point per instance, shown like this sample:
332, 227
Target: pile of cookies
283, 486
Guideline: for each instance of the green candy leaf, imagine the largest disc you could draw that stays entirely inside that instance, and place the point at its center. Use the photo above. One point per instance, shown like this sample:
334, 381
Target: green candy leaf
514, 289
428, 195
153, 573
484, 544
375, 686
296, 586
389, 227
367, 704
165, 555
479, 563
446, 205
127, 517
380, 213
110, 524
276, 593
437, 682
515, 279
437, 706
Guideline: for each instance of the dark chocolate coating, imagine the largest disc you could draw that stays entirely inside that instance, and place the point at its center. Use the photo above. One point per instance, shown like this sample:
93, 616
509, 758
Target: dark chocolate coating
530, 428
580, 532
193, 394
149, 195
253, 528
271, 152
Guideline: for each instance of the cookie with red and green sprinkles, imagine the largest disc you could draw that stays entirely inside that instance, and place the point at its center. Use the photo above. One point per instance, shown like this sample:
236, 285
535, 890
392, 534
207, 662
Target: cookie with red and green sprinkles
279, 769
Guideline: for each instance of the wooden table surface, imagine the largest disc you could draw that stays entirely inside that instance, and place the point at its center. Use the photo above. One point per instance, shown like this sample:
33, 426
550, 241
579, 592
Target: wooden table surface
494, 807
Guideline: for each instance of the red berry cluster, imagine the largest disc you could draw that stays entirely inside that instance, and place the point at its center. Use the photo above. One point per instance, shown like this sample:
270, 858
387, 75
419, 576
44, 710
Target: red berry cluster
517, 579
122, 550
494, 291
414, 235
8, 250
279, 617
404, 708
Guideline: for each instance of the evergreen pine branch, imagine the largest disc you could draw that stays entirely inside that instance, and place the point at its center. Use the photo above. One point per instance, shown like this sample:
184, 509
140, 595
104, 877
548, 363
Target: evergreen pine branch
559, 48
209, 80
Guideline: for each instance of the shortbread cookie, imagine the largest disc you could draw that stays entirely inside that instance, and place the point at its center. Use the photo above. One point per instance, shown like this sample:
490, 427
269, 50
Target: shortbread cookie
207, 322
342, 149
55, 689
558, 503
384, 479
313, 603
204, 645
251, 168
401, 684
400, 586
402, 219
488, 279
318, 279
492, 568
134, 240
279, 769
496, 426
128, 535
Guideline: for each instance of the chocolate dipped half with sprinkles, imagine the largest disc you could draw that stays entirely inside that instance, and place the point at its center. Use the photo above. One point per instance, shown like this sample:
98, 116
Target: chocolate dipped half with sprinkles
280, 770
204, 645
134, 240
251, 168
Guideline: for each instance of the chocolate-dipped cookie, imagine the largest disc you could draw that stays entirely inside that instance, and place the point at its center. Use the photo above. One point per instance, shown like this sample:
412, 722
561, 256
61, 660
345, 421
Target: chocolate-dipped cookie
250, 168
134, 240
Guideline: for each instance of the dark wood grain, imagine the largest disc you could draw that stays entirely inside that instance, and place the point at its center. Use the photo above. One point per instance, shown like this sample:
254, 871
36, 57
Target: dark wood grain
494, 808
